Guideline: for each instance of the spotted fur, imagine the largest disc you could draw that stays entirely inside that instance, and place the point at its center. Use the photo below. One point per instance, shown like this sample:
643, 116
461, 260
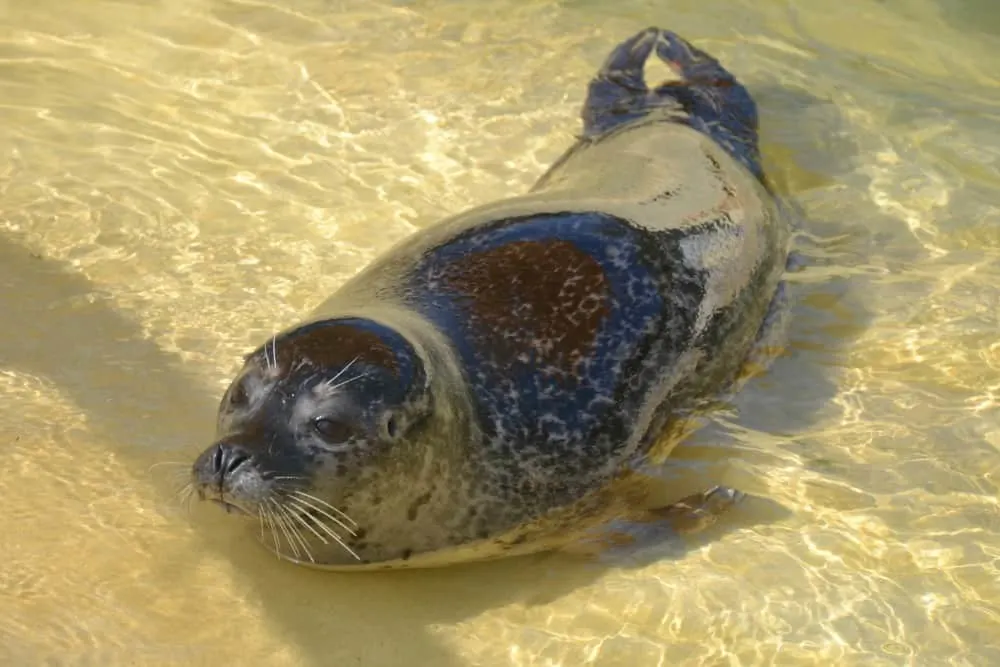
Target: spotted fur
513, 361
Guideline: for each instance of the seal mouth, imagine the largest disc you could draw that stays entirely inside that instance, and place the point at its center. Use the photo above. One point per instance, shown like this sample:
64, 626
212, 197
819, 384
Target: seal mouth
230, 507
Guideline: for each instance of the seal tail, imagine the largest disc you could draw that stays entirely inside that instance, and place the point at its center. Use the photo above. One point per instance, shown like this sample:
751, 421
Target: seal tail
705, 95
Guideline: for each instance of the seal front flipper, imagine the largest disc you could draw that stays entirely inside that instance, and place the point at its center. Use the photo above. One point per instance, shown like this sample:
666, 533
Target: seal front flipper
626, 537
772, 338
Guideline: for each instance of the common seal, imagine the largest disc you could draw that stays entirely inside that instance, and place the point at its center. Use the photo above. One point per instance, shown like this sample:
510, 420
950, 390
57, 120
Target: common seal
484, 388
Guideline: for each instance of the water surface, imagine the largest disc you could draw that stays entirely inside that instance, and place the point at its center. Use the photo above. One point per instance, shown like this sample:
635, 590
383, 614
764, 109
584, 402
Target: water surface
182, 178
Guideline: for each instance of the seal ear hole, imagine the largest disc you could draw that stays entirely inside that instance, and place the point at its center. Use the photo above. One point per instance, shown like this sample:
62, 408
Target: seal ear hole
391, 426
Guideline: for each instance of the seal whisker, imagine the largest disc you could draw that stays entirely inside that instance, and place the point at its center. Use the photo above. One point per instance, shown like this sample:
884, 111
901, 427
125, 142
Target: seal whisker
182, 482
182, 496
333, 385
310, 506
275, 533
269, 517
344, 383
291, 516
342, 371
178, 478
306, 497
274, 352
280, 521
326, 529
179, 493
297, 512
185, 495
268, 365
177, 464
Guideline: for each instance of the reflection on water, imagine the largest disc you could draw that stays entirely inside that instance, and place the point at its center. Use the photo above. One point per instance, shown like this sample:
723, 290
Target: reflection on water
181, 178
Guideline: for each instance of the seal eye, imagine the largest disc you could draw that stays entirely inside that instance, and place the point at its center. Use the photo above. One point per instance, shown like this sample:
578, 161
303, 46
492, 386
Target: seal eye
238, 396
333, 431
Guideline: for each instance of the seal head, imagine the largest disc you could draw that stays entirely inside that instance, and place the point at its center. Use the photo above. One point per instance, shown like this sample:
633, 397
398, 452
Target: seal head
310, 411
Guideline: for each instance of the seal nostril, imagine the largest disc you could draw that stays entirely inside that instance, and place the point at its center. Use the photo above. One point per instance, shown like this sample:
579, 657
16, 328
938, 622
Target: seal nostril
235, 460
218, 458
227, 459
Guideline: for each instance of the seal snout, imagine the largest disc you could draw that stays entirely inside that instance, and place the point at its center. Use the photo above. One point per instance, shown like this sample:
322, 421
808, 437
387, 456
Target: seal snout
219, 464
224, 473
226, 460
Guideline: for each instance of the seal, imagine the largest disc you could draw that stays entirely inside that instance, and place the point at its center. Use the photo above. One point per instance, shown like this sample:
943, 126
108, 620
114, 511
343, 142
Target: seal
487, 386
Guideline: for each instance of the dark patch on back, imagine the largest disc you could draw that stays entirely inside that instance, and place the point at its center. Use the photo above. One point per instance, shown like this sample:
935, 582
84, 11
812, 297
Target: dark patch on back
545, 299
499, 291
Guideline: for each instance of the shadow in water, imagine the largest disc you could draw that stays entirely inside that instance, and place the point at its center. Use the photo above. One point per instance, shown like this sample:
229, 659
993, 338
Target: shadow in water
142, 399
810, 153
810, 149
973, 15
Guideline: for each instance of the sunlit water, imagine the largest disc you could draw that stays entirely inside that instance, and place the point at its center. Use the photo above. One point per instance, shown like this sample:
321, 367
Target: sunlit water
181, 178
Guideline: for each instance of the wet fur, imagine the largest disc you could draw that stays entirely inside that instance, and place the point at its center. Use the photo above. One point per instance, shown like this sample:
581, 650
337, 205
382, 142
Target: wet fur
549, 340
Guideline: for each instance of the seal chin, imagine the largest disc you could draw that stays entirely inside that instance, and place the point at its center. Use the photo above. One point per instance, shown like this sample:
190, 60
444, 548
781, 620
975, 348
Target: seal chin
231, 508
227, 501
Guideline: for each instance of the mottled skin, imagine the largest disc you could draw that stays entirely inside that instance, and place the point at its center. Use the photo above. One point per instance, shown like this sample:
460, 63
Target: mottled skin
485, 387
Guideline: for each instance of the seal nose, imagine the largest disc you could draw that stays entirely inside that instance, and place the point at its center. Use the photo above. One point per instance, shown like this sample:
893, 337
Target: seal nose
220, 463
227, 459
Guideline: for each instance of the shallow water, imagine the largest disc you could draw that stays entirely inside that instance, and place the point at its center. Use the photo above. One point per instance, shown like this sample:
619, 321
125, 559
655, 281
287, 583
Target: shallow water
182, 178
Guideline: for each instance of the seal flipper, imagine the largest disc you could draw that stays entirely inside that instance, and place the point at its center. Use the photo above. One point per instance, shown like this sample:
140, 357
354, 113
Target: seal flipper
626, 537
618, 94
772, 337
706, 96
715, 102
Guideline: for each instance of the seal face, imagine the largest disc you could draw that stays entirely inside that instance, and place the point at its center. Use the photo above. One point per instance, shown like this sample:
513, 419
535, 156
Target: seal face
484, 387
319, 403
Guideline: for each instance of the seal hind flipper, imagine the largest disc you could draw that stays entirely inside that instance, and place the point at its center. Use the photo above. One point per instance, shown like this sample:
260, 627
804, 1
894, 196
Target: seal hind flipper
715, 102
626, 537
618, 93
705, 95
